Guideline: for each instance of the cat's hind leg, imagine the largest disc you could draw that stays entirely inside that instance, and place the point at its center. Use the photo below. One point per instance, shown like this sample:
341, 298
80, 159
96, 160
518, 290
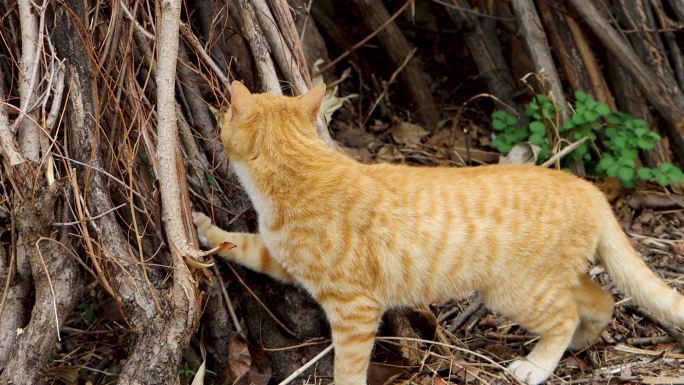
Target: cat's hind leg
595, 310
249, 249
552, 315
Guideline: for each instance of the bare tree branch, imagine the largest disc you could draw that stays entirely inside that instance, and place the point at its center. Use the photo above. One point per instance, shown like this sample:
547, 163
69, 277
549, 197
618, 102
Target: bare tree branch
31, 44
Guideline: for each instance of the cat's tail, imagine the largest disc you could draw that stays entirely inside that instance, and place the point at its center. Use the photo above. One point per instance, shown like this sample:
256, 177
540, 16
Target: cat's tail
633, 277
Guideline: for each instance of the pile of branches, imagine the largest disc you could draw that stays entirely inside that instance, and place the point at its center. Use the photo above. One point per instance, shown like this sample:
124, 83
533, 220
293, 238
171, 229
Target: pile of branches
108, 144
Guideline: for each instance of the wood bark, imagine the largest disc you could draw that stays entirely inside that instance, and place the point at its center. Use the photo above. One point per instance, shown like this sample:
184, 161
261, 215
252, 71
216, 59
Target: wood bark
29, 135
667, 100
167, 316
538, 49
57, 282
485, 49
566, 51
259, 47
415, 81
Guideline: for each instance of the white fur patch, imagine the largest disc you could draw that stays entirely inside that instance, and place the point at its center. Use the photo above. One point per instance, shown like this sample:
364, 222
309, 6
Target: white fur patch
528, 373
262, 204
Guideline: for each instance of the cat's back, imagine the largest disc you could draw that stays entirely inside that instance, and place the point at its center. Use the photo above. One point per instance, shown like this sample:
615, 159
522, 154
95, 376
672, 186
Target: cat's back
479, 181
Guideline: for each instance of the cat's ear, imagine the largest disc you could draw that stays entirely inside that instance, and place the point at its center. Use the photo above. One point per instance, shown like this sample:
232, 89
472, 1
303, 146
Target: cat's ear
311, 101
240, 99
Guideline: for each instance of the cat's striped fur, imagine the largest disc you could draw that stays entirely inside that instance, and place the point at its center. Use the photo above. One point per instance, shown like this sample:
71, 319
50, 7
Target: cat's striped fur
363, 238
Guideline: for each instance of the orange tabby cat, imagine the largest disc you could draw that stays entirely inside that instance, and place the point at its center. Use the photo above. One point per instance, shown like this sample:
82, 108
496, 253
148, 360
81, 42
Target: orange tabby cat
364, 238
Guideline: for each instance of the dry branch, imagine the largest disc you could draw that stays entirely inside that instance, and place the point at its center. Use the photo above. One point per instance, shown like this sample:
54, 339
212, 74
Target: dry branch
57, 281
288, 30
167, 132
281, 51
538, 49
15, 271
259, 47
485, 49
29, 135
667, 100
153, 320
414, 80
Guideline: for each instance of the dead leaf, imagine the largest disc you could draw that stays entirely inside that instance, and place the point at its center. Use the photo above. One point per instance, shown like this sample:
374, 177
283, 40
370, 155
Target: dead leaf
360, 154
407, 133
574, 362
239, 359
464, 371
521, 153
383, 374
353, 136
439, 381
247, 365
389, 153
678, 248
331, 102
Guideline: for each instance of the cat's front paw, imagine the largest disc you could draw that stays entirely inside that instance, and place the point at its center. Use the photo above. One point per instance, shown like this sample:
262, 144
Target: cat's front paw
528, 372
203, 224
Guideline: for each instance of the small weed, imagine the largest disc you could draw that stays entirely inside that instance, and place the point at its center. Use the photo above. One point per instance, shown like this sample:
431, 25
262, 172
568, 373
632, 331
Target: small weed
88, 312
612, 148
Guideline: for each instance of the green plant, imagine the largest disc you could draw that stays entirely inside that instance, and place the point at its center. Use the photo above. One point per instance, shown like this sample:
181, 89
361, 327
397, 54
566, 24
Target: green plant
186, 371
611, 148
88, 312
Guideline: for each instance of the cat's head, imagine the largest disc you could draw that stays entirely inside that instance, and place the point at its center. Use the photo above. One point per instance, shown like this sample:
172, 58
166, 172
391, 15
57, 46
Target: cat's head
255, 123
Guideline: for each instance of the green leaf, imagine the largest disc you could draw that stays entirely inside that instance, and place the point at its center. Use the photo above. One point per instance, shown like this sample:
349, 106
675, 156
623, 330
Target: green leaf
631, 124
602, 109
628, 157
537, 139
566, 126
640, 123
654, 135
641, 131
646, 143
626, 173
612, 169
501, 145
606, 161
500, 114
665, 167
645, 173
662, 179
611, 132
499, 125
537, 127
620, 141
519, 135
675, 175
591, 116
511, 120
577, 119
582, 149
614, 118
581, 96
